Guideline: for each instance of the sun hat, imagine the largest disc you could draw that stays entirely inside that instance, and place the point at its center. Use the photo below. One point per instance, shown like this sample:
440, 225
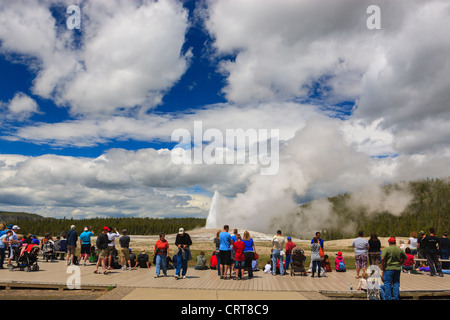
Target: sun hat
181, 231
339, 254
391, 240
289, 238
106, 228
15, 227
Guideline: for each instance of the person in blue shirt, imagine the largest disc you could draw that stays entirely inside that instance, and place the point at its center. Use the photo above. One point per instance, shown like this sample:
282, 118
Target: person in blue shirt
319, 239
225, 252
85, 244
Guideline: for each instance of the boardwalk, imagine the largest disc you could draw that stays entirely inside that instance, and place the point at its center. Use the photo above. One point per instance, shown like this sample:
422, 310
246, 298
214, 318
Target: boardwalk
208, 283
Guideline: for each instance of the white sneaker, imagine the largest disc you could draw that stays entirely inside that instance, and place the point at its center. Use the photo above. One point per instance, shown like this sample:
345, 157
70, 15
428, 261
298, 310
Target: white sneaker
177, 277
184, 277
123, 269
157, 276
129, 268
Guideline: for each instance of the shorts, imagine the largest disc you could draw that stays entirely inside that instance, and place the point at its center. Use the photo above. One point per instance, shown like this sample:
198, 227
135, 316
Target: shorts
225, 257
361, 261
124, 252
86, 249
102, 253
71, 250
239, 264
109, 250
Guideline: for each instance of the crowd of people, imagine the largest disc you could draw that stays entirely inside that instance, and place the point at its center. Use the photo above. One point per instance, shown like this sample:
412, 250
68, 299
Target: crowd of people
235, 254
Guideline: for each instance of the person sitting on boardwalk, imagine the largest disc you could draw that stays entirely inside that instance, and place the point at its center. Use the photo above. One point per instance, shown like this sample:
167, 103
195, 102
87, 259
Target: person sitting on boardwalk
340, 262
201, 262
408, 265
392, 259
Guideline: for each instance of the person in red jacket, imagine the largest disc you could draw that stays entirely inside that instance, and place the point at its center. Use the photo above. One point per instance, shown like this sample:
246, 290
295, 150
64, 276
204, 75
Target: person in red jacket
239, 257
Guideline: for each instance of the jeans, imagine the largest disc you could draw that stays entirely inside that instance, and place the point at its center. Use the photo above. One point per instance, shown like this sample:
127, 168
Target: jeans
391, 288
2, 257
316, 266
182, 264
276, 255
288, 261
161, 263
445, 255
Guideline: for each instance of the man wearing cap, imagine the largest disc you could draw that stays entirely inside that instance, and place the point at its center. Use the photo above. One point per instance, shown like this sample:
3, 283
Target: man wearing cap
182, 241
392, 259
102, 245
14, 242
288, 250
85, 244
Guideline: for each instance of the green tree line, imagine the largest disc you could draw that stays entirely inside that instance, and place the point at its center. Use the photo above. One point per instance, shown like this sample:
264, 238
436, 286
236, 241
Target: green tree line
134, 226
430, 207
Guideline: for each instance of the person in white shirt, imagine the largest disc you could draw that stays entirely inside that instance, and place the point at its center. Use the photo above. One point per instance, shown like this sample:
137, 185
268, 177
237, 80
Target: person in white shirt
111, 244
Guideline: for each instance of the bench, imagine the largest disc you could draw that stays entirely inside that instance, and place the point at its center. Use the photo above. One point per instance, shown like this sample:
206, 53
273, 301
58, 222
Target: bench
425, 260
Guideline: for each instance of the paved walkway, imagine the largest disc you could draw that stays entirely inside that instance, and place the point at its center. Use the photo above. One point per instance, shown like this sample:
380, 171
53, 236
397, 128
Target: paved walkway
206, 285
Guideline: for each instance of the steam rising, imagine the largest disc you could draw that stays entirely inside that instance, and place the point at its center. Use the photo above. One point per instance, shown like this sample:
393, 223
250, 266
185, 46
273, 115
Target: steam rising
316, 163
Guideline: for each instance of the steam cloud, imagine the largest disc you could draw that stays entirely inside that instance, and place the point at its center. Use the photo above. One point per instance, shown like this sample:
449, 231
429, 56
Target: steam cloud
316, 161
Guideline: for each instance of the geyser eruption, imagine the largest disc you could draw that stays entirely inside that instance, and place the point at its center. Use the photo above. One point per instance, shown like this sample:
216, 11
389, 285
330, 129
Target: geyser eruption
214, 211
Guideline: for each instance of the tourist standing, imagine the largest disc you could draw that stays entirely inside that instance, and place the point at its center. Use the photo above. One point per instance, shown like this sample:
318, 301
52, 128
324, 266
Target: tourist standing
239, 257
102, 246
445, 250
249, 253
361, 245
288, 252
217, 251
316, 259
392, 259
72, 237
161, 251
182, 242
111, 244
4, 244
85, 244
124, 253
412, 241
277, 249
374, 250
430, 244
225, 252
420, 248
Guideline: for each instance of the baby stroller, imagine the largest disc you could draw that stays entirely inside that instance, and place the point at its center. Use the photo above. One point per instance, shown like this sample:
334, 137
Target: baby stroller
48, 250
26, 258
297, 259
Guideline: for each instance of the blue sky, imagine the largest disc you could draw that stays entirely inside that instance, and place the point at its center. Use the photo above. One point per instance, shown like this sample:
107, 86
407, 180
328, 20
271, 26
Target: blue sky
87, 115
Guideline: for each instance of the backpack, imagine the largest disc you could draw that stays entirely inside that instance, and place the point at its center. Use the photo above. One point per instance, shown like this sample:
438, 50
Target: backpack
341, 266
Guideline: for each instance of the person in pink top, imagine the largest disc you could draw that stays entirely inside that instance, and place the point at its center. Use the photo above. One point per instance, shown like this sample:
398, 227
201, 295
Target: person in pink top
340, 262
